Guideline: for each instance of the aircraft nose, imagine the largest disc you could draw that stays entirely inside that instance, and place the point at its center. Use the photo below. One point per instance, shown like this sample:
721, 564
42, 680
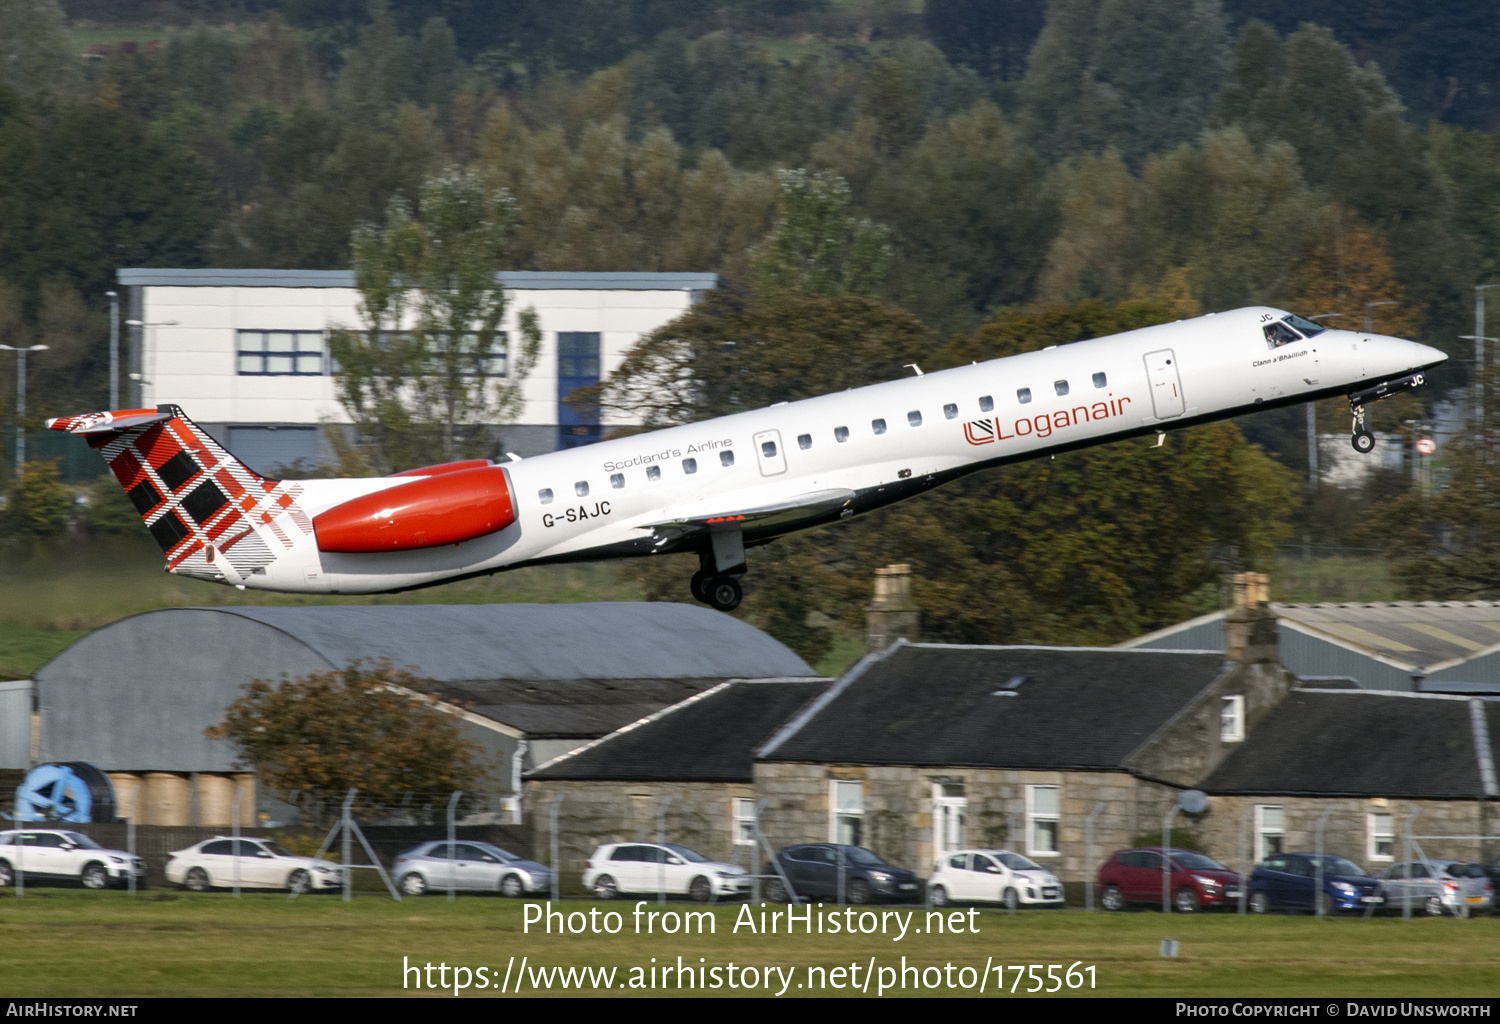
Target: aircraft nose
1425, 356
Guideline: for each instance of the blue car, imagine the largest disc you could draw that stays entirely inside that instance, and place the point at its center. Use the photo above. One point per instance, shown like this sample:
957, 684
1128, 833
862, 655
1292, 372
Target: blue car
1286, 881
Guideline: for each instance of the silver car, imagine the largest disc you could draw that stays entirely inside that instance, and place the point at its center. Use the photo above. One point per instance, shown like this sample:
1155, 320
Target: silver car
1432, 886
471, 867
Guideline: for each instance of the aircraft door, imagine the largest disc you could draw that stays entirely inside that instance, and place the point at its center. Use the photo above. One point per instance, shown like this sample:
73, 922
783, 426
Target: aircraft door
769, 454
1166, 385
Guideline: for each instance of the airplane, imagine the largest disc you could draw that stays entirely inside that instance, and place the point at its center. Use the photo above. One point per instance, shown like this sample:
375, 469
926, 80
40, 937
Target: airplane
725, 484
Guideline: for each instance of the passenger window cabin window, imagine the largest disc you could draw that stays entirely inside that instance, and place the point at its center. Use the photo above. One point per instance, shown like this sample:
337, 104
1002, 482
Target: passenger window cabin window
950, 411
617, 480
768, 449
1100, 380
653, 472
726, 458
804, 441
1060, 386
1023, 395
914, 418
690, 465
986, 403
841, 434
544, 496
878, 426
581, 488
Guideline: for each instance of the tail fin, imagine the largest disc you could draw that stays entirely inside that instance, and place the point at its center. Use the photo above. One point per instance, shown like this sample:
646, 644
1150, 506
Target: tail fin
214, 517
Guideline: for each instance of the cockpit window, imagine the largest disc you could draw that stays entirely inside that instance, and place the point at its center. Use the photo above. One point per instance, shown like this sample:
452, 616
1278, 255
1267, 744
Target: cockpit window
1279, 334
1307, 327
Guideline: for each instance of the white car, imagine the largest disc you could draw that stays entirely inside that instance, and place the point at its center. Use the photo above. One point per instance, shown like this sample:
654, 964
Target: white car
991, 876
57, 854
644, 868
260, 864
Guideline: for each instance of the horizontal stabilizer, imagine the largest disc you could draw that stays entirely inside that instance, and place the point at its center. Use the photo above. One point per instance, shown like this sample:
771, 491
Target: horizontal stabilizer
108, 422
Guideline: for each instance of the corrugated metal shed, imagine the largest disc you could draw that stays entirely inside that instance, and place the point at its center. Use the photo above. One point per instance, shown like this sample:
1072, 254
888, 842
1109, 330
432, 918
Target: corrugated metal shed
1385, 645
15, 724
137, 695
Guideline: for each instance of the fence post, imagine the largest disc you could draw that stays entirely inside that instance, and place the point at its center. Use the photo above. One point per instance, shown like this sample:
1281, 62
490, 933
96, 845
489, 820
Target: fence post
135, 812
556, 865
452, 835
234, 832
661, 855
1406, 889
771, 856
20, 852
344, 815
1245, 856
1318, 873
1166, 858
1088, 855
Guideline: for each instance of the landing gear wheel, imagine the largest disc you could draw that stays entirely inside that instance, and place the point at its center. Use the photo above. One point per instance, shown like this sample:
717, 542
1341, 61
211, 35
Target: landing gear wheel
724, 593
1363, 442
699, 585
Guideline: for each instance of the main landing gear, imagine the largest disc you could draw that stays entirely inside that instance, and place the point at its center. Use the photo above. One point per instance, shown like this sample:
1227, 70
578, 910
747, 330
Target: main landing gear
720, 566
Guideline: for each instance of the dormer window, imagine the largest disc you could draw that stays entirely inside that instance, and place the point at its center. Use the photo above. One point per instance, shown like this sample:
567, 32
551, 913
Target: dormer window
1232, 718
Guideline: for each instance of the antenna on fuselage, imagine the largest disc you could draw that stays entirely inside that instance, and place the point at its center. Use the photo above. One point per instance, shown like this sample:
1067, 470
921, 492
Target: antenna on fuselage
913, 366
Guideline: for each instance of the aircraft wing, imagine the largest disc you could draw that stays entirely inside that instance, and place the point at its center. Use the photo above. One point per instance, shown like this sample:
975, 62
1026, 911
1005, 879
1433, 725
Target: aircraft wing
799, 506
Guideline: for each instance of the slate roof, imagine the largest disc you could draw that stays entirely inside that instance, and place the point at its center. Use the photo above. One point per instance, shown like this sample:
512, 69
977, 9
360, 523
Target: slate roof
711, 738
1358, 743
933, 704
528, 280
604, 640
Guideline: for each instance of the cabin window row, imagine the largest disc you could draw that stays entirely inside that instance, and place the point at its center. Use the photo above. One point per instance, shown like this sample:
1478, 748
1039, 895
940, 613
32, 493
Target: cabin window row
1023, 395
653, 473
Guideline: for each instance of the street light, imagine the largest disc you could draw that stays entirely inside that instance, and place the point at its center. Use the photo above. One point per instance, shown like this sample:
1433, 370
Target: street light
143, 323
21, 399
1370, 317
114, 349
1479, 339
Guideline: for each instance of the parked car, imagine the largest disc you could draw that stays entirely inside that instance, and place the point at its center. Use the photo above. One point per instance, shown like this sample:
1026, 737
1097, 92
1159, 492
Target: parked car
1287, 881
617, 868
58, 854
992, 876
1432, 885
1196, 881
256, 864
472, 867
813, 870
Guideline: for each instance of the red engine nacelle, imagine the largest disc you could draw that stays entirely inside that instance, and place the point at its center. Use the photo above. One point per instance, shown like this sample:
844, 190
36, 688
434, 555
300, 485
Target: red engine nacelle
445, 467
454, 506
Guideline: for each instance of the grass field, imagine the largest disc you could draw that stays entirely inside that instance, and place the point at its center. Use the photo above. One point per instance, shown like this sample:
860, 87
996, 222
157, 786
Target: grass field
63, 942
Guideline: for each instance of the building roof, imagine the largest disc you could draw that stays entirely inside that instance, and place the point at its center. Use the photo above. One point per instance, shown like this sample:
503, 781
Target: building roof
1363, 743
604, 640
520, 280
1420, 636
711, 737
934, 704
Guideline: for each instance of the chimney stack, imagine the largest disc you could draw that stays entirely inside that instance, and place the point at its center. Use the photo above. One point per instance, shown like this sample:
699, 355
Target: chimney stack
891, 616
1249, 625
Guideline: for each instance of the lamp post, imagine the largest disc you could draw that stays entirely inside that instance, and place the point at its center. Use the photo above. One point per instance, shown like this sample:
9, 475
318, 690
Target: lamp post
1479, 339
1370, 317
114, 354
21, 399
138, 378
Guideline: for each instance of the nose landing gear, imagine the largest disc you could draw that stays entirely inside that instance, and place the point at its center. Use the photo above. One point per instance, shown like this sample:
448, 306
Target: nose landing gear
1362, 439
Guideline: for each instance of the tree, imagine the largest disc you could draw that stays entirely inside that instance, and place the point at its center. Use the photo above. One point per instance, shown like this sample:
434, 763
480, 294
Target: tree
40, 505
34, 52
369, 727
432, 385
817, 248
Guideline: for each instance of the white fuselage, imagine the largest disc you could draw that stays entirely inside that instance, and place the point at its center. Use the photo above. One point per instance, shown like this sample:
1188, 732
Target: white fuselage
618, 498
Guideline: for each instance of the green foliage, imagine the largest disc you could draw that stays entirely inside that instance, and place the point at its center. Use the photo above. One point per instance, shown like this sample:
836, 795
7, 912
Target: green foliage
1446, 546
39, 505
34, 53
431, 392
817, 248
312, 738
109, 509
1182, 839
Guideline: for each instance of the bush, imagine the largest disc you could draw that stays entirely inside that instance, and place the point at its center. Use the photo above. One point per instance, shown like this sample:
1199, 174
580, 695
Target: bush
40, 504
1182, 839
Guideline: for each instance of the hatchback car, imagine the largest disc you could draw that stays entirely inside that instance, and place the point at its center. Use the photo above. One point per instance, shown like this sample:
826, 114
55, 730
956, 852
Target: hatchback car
1288, 881
616, 868
993, 876
253, 864
813, 871
1435, 885
1196, 881
471, 867
58, 854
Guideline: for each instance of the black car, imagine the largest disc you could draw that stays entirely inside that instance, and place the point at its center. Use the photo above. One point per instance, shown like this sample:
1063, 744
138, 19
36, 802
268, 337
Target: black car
813, 870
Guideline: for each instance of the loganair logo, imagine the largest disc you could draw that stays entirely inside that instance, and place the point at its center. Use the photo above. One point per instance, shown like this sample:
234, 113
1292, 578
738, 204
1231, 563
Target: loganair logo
988, 431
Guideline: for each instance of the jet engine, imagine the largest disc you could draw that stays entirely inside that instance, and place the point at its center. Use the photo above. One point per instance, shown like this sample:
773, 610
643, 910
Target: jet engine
428, 512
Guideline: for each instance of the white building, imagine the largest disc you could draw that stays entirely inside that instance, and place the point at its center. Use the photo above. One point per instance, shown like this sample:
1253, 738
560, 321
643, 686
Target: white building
245, 352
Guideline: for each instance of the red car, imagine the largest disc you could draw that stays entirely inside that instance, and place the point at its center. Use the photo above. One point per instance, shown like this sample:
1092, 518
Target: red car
1134, 876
